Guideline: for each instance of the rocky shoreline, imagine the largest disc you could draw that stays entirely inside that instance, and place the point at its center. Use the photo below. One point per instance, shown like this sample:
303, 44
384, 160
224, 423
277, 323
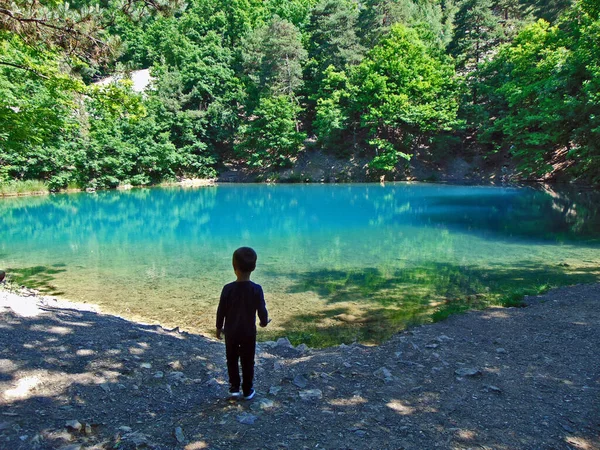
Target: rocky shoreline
515, 378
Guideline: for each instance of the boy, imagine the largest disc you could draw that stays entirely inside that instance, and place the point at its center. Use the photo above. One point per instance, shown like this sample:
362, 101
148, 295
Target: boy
240, 301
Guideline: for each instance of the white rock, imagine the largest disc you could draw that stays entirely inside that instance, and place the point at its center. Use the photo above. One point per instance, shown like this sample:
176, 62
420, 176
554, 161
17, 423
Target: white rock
311, 394
74, 425
247, 419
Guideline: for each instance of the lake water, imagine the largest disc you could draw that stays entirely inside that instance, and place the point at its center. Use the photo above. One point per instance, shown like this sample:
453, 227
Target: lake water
337, 262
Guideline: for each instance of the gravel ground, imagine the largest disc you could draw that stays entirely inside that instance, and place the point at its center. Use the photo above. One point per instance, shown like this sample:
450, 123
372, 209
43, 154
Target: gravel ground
515, 378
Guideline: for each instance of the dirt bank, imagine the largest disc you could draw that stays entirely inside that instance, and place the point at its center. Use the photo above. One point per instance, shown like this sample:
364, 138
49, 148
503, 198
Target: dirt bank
526, 378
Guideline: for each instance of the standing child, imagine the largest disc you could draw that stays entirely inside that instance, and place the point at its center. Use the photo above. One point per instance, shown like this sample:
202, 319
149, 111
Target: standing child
240, 301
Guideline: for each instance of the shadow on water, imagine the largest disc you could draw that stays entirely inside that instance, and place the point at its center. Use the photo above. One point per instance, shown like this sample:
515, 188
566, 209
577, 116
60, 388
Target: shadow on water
381, 303
38, 277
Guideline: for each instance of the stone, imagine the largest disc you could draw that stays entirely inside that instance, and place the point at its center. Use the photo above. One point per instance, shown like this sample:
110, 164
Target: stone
443, 338
384, 373
311, 394
105, 387
284, 342
176, 376
159, 374
492, 388
125, 429
432, 345
146, 366
302, 348
266, 404
179, 435
300, 381
360, 433
467, 372
247, 419
500, 350
87, 429
73, 425
270, 344
176, 365
274, 390
138, 440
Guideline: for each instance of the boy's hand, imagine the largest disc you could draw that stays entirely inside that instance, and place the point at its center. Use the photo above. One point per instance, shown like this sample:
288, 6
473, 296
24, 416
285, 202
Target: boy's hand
268, 322
219, 331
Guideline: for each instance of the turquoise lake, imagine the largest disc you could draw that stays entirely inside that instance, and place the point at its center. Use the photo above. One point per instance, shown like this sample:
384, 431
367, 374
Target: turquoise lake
337, 262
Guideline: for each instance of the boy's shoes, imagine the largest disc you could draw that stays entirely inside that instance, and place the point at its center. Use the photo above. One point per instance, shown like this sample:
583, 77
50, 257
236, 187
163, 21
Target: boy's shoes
234, 395
250, 395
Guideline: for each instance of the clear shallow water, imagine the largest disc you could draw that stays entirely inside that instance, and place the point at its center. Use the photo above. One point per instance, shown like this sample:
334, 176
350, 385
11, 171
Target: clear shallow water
340, 261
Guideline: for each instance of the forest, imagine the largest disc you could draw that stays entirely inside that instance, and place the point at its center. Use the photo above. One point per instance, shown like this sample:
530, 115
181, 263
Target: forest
257, 82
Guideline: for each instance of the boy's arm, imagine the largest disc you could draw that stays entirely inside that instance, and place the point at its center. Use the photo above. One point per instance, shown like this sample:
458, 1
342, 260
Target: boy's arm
221, 314
263, 314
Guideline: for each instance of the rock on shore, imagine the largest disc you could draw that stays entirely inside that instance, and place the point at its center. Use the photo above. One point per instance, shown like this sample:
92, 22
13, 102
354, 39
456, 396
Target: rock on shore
526, 378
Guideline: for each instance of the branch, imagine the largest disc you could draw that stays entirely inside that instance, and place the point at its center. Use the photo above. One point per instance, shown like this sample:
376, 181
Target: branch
29, 69
44, 22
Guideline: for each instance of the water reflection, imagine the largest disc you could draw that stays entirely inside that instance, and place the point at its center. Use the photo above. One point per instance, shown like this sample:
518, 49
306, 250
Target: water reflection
153, 253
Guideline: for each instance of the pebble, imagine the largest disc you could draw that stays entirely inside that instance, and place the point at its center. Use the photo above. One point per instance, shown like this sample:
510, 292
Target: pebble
265, 403
311, 394
467, 372
146, 366
384, 373
274, 390
300, 381
105, 387
284, 342
73, 425
179, 435
302, 348
500, 350
492, 388
177, 376
159, 374
247, 419
71, 447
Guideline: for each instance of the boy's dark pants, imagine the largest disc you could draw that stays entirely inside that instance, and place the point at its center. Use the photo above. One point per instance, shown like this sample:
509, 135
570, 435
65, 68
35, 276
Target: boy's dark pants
242, 348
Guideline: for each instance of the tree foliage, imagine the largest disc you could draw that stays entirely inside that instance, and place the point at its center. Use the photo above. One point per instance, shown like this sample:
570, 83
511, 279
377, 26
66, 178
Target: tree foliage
249, 80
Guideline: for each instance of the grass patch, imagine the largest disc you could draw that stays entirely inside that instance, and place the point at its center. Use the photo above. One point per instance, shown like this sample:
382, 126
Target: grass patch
27, 187
389, 301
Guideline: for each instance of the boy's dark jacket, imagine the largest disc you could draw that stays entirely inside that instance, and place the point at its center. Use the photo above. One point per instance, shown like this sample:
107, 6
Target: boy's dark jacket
240, 301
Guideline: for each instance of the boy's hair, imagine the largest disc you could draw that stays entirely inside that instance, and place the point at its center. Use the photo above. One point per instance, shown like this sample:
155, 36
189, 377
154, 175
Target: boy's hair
244, 259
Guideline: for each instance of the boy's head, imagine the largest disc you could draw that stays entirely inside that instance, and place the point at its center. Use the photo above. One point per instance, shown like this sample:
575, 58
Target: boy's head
244, 260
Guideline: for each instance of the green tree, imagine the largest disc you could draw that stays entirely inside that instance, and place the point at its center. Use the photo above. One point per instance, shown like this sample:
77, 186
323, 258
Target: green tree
541, 94
477, 33
36, 108
332, 105
272, 57
271, 139
404, 90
